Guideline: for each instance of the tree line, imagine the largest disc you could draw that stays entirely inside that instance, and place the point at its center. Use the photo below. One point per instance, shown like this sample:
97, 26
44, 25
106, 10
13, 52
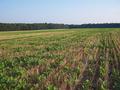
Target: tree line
39, 26
24, 26
105, 25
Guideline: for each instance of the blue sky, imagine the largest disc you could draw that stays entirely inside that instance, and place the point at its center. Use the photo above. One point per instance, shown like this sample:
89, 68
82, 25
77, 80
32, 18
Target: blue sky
60, 11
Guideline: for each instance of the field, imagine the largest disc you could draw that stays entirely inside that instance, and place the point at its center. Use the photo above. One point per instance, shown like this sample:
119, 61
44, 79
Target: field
74, 59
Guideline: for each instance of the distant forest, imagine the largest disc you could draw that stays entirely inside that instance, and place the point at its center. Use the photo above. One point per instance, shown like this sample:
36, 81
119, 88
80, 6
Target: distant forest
39, 26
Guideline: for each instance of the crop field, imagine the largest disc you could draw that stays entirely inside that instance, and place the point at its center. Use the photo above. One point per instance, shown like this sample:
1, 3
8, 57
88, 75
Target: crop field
66, 59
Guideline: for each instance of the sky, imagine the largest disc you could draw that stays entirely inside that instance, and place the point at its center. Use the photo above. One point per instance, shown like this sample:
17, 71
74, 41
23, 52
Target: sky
60, 11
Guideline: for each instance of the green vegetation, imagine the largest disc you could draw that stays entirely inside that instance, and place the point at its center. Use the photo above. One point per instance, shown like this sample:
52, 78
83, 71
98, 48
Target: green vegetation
75, 59
41, 26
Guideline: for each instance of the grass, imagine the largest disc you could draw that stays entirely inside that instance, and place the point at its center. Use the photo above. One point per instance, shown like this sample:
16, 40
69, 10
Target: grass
60, 59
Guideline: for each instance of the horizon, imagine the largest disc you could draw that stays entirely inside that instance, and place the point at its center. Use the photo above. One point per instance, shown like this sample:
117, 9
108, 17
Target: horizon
63, 11
58, 23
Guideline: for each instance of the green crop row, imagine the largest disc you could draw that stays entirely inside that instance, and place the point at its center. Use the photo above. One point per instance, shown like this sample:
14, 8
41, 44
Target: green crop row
60, 59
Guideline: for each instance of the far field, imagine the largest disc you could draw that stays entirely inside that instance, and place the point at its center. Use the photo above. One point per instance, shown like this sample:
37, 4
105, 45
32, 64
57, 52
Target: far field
68, 59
